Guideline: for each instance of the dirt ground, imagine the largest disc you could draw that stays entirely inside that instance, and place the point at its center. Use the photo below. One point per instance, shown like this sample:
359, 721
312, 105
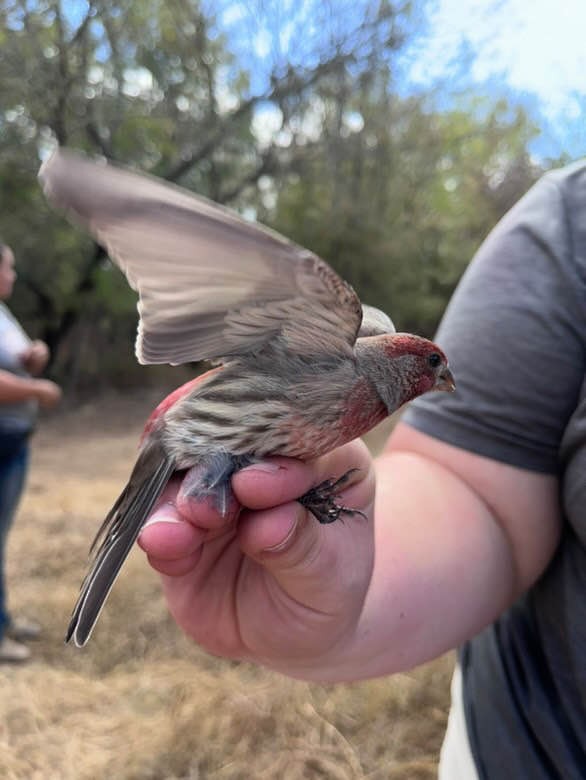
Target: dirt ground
140, 701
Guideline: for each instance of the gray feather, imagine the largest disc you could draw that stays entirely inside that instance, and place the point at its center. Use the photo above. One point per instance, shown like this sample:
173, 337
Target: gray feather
116, 537
211, 284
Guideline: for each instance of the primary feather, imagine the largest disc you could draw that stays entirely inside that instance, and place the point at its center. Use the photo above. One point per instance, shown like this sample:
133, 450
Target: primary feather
211, 284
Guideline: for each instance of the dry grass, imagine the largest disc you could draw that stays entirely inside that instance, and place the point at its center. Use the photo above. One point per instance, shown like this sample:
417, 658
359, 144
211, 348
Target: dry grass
141, 701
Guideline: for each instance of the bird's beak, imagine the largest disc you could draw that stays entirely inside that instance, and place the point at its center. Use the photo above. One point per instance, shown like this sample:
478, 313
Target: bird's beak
445, 381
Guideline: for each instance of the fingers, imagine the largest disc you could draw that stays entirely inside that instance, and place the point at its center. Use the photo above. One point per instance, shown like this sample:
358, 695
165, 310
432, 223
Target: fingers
178, 526
280, 480
35, 357
270, 531
171, 544
268, 484
315, 578
309, 560
276, 585
279, 533
276, 530
39, 352
197, 506
47, 392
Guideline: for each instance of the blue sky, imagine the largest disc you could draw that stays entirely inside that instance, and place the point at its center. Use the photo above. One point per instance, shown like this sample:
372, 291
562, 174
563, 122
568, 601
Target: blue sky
531, 51
534, 51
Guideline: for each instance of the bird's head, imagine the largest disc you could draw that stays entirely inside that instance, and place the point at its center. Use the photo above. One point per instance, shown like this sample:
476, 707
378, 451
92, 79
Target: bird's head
421, 359
403, 366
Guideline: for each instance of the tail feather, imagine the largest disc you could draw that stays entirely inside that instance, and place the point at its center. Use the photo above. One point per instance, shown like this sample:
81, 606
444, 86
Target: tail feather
116, 537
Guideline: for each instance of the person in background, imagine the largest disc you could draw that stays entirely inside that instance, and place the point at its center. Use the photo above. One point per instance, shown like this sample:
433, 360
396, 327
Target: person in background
21, 393
477, 532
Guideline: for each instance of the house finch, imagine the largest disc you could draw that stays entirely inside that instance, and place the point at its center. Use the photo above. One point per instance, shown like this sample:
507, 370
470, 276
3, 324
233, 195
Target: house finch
304, 367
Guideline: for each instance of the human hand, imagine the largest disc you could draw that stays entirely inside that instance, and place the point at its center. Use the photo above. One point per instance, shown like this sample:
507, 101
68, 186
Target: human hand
47, 393
268, 583
35, 357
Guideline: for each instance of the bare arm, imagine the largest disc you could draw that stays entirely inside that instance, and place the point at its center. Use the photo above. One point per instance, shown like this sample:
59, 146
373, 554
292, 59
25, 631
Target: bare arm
16, 388
458, 538
455, 537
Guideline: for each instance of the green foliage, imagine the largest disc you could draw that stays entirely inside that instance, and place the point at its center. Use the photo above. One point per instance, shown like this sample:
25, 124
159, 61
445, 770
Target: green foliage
395, 193
400, 205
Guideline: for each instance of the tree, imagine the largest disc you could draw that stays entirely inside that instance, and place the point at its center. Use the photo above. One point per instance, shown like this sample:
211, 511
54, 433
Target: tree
398, 195
152, 84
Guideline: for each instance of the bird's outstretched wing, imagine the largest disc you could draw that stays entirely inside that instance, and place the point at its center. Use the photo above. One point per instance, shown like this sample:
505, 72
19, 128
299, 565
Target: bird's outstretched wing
211, 284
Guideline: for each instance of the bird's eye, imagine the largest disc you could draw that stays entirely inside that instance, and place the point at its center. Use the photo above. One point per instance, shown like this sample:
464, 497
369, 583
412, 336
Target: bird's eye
434, 359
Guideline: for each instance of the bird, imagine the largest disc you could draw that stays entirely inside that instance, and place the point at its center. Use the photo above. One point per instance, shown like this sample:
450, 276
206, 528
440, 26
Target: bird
300, 365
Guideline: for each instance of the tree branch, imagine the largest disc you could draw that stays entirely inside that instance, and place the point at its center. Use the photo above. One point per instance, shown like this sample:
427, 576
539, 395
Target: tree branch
291, 84
268, 165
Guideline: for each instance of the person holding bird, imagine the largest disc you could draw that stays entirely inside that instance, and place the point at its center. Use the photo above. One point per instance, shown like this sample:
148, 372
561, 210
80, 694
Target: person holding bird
475, 530
304, 366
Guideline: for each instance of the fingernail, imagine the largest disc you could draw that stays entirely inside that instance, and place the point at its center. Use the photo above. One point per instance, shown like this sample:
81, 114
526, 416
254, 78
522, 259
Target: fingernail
162, 518
265, 466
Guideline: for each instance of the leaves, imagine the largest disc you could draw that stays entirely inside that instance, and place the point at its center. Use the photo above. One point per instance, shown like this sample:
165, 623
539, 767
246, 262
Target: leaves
306, 130
400, 204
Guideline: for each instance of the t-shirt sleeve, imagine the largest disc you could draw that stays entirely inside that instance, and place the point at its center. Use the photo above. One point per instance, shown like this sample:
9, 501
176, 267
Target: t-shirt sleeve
515, 333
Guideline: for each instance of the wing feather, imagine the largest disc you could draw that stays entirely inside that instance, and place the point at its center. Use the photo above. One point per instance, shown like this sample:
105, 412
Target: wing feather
211, 285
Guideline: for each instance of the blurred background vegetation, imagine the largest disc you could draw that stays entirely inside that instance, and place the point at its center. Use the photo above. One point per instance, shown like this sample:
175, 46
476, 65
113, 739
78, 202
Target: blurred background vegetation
298, 113
315, 138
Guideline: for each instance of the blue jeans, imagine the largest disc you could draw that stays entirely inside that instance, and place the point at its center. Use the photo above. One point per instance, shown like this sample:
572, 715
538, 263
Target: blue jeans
14, 455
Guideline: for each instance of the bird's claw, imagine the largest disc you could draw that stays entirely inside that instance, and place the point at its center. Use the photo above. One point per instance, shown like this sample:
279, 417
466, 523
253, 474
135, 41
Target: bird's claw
320, 500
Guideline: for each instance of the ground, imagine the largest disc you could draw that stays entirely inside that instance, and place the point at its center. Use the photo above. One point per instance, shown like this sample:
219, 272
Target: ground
140, 701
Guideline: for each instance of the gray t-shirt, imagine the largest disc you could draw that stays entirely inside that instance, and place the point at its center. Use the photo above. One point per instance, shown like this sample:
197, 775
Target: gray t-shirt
14, 417
515, 335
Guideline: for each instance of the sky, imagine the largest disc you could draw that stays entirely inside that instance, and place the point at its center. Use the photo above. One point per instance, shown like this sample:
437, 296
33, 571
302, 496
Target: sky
533, 50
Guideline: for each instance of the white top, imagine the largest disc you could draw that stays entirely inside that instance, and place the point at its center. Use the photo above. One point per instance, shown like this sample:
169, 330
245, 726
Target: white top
13, 343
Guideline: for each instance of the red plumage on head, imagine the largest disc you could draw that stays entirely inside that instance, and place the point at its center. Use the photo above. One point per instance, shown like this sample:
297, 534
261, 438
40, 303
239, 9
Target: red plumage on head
398, 344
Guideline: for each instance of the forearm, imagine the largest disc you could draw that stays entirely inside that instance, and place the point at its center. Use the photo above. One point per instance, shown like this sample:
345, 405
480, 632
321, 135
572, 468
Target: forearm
14, 389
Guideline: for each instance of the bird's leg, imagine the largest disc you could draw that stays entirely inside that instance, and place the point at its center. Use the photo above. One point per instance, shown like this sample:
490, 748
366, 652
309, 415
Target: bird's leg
320, 500
212, 480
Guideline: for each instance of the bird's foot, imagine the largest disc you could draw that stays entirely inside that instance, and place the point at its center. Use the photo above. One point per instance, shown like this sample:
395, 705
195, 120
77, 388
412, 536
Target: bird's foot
320, 500
211, 481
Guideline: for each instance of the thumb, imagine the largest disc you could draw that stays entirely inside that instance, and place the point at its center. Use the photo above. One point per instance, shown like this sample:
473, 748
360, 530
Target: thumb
282, 536
287, 542
323, 567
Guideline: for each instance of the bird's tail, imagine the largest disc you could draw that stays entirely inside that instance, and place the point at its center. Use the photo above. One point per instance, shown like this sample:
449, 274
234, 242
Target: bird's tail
116, 536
